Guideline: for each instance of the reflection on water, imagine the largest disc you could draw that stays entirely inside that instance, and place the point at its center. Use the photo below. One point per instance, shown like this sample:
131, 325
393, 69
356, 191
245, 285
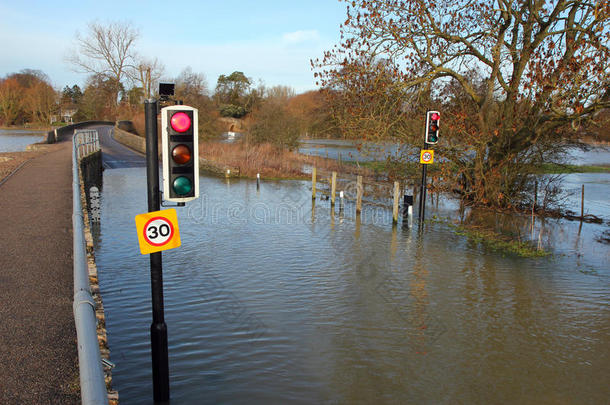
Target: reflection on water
273, 299
15, 140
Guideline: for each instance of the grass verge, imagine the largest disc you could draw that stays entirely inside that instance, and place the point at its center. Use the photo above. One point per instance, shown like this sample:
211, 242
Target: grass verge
413, 168
498, 242
551, 168
494, 240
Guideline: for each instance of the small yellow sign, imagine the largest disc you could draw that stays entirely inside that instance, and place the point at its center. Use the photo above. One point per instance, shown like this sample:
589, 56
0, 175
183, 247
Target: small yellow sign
158, 231
426, 157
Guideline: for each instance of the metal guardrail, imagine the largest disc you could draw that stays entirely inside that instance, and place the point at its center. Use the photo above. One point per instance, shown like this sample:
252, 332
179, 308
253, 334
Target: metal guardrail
92, 382
85, 141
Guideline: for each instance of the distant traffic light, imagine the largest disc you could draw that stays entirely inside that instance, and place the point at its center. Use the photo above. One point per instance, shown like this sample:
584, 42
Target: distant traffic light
433, 119
179, 137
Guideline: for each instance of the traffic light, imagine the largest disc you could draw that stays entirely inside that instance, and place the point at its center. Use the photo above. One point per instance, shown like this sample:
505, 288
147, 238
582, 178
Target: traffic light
179, 137
433, 119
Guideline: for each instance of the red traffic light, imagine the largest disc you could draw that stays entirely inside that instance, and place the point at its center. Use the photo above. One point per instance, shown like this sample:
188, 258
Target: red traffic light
435, 116
180, 122
181, 154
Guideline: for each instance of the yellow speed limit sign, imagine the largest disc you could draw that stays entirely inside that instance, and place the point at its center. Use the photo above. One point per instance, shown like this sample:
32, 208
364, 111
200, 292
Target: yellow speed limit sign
426, 156
158, 231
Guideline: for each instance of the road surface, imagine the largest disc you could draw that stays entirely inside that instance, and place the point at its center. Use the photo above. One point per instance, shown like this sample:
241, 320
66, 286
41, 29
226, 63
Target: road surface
114, 154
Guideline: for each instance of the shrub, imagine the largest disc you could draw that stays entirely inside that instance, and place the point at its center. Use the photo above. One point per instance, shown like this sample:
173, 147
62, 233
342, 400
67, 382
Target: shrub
232, 110
273, 124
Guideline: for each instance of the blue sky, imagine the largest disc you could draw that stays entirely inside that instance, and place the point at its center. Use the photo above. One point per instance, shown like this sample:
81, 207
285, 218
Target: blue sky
268, 40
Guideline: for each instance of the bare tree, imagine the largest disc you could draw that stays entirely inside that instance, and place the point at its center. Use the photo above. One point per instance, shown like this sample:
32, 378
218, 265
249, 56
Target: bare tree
146, 74
191, 87
522, 75
106, 50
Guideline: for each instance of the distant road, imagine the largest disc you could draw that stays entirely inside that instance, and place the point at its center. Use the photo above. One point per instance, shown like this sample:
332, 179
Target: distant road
114, 154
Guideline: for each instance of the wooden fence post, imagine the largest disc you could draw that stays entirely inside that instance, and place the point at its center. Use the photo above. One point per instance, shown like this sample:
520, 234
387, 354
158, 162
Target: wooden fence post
396, 198
313, 183
359, 192
582, 202
333, 188
414, 193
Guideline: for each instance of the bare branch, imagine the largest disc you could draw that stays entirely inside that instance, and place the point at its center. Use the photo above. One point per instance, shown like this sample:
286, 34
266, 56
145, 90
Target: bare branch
106, 50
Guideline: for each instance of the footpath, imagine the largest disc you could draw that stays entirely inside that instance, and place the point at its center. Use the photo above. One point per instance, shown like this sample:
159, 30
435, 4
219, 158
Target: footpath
38, 349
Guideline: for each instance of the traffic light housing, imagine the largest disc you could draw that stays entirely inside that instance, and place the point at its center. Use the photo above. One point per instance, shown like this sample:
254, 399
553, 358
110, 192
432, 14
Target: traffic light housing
433, 119
180, 152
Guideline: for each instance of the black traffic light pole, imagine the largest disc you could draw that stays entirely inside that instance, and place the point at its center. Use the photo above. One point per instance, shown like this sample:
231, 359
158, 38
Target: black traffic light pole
158, 328
432, 124
422, 195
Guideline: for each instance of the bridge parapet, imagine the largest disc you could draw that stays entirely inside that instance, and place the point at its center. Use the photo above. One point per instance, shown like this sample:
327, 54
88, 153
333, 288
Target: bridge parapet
58, 133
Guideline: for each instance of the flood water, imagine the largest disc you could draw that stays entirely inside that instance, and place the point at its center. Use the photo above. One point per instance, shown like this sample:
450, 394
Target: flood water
273, 300
351, 150
16, 140
346, 150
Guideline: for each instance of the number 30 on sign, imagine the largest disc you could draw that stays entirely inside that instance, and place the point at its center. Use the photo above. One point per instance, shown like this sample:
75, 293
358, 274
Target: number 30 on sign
426, 156
158, 231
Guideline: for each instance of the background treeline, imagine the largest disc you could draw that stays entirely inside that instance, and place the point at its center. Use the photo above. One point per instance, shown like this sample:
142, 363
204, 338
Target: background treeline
267, 114
120, 79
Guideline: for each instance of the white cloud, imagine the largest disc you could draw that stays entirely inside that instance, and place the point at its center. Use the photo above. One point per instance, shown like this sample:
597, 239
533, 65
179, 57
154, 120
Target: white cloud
298, 37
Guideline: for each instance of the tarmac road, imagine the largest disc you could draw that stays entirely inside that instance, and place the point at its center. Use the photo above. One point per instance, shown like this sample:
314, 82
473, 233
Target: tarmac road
116, 155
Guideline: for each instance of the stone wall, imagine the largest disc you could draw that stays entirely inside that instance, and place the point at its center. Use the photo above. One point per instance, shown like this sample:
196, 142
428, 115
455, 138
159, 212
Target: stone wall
138, 144
130, 140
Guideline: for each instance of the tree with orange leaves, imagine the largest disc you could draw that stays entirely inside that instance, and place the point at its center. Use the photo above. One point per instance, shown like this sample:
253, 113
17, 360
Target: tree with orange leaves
11, 101
513, 79
27, 97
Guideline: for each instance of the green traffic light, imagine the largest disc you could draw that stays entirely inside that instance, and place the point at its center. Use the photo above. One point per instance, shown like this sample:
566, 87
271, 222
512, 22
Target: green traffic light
182, 185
